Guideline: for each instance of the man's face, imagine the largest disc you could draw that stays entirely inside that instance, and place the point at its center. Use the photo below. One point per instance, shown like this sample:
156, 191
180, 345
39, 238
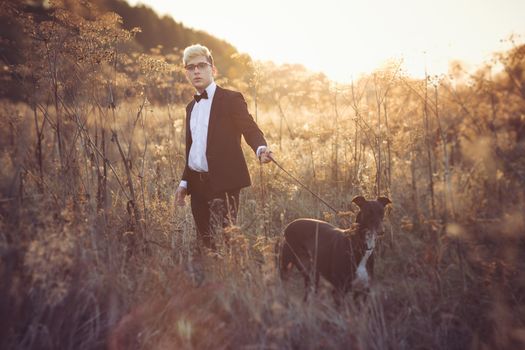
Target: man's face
199, 72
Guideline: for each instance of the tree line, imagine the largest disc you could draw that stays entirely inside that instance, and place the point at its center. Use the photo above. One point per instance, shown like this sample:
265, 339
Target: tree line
163, 35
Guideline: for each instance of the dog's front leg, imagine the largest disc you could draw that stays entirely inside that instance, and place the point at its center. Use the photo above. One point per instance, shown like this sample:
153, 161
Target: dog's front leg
370, 266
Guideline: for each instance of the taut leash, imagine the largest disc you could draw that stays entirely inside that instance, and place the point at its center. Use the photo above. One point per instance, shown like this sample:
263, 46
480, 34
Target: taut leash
303, 185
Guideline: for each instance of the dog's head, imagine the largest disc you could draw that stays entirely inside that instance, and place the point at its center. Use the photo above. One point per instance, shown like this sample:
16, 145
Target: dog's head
370, 218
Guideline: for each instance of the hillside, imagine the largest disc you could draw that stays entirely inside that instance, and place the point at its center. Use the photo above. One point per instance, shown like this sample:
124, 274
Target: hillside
161, 34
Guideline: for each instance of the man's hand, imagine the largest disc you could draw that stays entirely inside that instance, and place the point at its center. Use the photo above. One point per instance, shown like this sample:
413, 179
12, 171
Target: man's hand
180, 194
266, 155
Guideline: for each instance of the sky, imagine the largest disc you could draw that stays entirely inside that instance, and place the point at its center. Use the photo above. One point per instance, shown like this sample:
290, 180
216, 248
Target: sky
347, 38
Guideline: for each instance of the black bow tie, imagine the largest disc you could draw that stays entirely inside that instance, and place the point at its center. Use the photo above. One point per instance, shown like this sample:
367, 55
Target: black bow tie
199, 97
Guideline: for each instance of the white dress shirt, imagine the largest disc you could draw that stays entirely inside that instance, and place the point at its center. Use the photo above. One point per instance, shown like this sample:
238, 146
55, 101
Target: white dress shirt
199, 120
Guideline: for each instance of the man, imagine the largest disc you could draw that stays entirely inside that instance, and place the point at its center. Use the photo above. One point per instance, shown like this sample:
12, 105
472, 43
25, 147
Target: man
215, 168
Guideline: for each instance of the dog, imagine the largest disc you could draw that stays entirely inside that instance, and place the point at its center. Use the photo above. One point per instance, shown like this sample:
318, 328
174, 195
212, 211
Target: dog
343, 258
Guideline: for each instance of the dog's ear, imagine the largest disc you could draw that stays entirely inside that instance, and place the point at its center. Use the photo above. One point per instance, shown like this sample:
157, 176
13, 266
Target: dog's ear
384, 200
359, 200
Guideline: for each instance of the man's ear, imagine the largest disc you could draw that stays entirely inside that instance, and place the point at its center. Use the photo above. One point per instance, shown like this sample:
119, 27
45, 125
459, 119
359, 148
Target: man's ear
359, 200
384, 200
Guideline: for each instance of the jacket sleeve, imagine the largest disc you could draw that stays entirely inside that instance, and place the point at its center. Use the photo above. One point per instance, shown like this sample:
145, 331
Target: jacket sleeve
245, 123
185, 173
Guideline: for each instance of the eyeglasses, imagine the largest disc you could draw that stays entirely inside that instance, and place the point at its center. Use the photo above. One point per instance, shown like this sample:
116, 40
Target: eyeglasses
200, 65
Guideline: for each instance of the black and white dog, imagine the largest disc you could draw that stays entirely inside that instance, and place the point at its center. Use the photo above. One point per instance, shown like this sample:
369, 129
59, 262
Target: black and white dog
342, 257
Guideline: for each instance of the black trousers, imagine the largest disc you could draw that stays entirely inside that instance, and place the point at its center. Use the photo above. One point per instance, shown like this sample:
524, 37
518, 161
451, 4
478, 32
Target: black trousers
212, 211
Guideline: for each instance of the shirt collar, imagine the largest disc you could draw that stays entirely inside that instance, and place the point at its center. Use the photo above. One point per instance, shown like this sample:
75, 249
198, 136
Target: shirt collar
210, 90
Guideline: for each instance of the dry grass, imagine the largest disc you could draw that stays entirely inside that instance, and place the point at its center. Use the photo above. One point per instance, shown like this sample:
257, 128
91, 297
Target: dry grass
77, 279
94, 254
75, 285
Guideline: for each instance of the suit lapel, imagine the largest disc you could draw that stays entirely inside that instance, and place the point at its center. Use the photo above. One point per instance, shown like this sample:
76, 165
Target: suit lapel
189, 108
214, 112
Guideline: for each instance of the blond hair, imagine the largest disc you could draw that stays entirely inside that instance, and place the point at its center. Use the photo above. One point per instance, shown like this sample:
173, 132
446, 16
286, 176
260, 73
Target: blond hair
195, 51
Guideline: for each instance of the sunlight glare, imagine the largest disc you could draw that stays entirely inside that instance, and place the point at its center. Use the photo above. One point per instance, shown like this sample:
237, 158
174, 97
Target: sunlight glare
345, 39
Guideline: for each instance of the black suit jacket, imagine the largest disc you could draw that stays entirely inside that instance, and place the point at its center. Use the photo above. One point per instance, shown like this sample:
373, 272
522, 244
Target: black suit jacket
229, 119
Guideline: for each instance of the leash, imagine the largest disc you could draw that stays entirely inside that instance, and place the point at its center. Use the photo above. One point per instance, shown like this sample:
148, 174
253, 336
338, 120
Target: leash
303, 185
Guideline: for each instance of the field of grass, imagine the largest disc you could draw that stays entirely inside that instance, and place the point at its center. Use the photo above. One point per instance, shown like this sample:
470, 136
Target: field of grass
94, 253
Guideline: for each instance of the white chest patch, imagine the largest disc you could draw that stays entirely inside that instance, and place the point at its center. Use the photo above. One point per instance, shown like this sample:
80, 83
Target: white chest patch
362, 280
